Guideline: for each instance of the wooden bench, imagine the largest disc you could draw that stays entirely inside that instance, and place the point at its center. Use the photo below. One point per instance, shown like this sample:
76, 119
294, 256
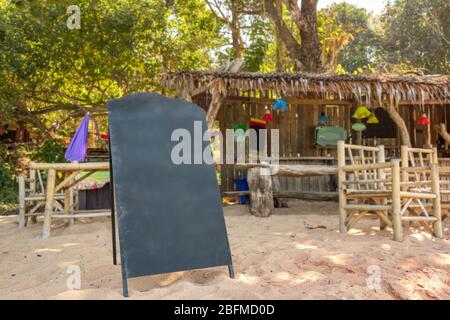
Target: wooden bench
56, 195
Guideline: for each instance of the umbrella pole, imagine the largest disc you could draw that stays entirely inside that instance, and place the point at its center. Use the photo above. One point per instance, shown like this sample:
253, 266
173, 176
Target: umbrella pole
113, 207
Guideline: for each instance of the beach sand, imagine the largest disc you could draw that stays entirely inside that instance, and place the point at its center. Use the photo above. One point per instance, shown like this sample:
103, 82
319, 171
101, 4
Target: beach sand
297, 253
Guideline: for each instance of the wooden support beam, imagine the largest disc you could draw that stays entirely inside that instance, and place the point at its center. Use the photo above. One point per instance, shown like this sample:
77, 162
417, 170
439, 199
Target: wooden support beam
314, 196
435, 188
292, 170
341, 179
396, 201
70, 166
22, 219
289, 100
49, 203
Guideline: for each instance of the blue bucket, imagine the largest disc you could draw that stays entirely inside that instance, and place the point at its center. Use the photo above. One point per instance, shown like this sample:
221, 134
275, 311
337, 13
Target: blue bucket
242, 185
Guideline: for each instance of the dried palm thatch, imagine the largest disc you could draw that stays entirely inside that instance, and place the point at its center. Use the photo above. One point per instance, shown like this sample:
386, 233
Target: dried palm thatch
392, 88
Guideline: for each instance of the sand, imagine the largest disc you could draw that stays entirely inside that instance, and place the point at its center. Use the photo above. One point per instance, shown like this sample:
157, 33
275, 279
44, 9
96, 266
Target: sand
295, 254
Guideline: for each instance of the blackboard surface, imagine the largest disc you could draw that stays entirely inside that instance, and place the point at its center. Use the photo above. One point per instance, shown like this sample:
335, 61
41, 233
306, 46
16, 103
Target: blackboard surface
170, 216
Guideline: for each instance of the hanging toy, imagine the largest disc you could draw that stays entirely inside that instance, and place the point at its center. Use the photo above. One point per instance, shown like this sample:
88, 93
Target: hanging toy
104, 136
239, 130
323, 119
373, 119
362, 112
359, 126
257, 123
267, 117
280, 104
424, 120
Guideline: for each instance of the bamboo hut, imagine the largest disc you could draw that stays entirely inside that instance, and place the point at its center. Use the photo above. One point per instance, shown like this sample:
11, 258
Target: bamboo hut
231, 98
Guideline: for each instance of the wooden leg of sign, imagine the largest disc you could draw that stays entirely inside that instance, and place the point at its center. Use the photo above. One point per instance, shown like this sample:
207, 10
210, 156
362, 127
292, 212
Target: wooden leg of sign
113, 206
124, 281
231, 271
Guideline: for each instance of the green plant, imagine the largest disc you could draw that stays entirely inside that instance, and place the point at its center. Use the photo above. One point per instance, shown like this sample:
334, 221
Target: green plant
8, 186
51, 151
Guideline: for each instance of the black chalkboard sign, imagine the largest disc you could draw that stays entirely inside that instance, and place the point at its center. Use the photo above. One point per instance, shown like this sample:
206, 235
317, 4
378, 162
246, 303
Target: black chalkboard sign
170, 214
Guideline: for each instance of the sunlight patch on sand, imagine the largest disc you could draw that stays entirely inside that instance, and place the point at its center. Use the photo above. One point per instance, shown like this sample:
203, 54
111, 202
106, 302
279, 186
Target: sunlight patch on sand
283, 276
47, 250
304, 246
339, 259
71, 244
309, 276
246, 278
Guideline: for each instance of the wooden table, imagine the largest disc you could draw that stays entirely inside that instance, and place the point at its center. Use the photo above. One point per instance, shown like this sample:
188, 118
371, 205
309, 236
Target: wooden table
52, 192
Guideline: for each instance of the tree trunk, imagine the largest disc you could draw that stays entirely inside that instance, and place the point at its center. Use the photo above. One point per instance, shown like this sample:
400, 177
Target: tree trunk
235, 30
261, 194
213, 108
310, 49
398, 120
279, 64
282, 31
442, 130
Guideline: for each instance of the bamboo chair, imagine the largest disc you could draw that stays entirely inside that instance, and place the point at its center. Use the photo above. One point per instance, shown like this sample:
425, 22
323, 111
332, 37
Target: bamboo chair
369, 185
421, 157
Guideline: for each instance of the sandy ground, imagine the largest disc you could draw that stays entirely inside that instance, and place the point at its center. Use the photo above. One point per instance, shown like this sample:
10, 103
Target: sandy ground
295, 254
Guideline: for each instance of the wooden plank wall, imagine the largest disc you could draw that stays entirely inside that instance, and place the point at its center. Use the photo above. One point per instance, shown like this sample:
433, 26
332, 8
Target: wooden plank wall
296, 136
297, 126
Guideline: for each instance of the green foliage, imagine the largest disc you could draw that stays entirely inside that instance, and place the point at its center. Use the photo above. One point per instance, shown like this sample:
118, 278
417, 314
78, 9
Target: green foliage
8, 186
358, 24
417, 35
51, 73
255, 55
51, 152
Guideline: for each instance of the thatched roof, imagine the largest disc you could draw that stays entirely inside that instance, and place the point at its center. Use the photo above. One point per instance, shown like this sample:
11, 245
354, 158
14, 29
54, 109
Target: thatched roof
363, 87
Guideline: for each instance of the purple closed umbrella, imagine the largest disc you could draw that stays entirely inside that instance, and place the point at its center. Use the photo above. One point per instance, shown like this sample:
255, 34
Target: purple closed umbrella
78, 146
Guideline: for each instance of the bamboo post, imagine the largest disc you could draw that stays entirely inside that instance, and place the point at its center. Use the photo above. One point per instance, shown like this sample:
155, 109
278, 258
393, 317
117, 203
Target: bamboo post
49, 202
341, 178
436, 201
22, 220
67, 201
396, 201
434, 156
71, 204
33, 188
405, 164
381, 158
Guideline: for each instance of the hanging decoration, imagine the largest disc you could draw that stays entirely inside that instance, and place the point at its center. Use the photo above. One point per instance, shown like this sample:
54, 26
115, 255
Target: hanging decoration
373, 119
323, 119
424, 120
280, 104
257, 123
267, 117
359, 126
239, 126
362, 112
239, 130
